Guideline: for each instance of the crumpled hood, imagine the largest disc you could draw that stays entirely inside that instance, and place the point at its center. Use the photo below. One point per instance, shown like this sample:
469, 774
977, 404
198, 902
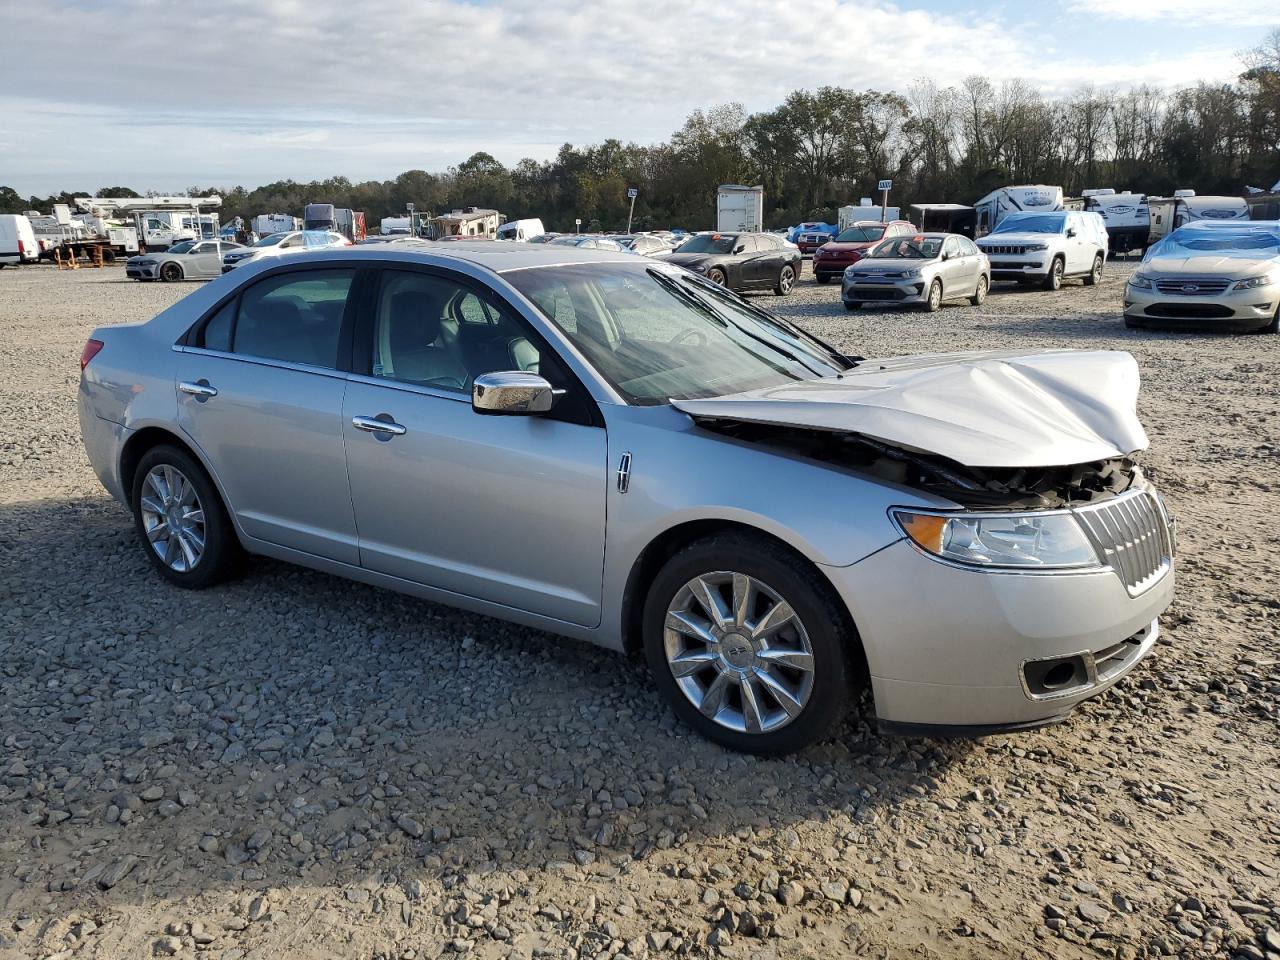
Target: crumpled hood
988, 409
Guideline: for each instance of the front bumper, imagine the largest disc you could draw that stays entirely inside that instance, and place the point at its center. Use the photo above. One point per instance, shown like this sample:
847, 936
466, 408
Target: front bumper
1243, 309
1005, 266
968, 650
149, 271
877, 290
833, 266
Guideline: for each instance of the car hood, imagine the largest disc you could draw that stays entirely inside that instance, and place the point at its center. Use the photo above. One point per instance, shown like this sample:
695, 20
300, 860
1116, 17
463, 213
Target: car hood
875, 265
1232, 263
992, 409
1015, 236
845, 246
690, 259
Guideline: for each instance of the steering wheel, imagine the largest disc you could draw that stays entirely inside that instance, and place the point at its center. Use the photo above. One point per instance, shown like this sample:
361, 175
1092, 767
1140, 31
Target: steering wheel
691, 334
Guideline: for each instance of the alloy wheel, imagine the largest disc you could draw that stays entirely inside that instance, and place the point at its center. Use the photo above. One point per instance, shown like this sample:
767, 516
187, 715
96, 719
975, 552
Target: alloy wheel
935, 296
173, 518
738, 652
786, 280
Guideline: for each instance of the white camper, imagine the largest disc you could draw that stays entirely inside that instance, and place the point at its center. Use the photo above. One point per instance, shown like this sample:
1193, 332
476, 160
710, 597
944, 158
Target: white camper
395, 226
739, 208
265, 224
1127, 216
17, 240
519, 230
1169, 213
1029, 198
853, 213
475, 222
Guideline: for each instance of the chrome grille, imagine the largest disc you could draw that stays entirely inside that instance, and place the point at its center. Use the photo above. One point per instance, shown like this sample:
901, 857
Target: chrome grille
1014, 249
1193, 286
1132, 536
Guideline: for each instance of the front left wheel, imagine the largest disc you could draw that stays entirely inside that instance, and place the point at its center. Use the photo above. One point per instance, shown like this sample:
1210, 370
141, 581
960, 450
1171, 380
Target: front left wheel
980, 292
786, 280
747, 645
181, 521
170, 272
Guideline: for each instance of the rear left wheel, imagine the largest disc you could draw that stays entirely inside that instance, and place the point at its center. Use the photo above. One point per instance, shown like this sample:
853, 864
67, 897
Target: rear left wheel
1095, 273
786, 280
746, 645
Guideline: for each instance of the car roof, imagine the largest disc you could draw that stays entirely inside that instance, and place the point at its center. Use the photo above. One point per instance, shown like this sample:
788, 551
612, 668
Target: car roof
497, 257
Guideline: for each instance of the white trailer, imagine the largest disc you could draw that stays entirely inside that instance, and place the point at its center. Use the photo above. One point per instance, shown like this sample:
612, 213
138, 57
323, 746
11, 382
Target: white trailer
1169, 213
1127, 216
1033, 198
265, 224
854, 213
739, 208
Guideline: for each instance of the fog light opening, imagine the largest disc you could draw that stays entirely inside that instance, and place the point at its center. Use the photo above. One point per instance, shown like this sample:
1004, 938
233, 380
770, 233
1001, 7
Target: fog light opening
1059, 677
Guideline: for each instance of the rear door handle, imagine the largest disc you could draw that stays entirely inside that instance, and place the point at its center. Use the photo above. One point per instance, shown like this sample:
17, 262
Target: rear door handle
200, 389
378, 425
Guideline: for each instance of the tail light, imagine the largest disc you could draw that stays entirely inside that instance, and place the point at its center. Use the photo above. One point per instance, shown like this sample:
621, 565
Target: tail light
91, 348
22, 248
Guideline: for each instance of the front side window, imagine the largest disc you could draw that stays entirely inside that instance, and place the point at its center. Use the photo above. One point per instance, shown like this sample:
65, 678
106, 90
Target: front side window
657, 335
295, 317
434, 332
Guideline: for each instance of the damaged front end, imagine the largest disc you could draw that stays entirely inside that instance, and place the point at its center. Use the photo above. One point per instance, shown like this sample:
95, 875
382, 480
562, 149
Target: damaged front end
989, 488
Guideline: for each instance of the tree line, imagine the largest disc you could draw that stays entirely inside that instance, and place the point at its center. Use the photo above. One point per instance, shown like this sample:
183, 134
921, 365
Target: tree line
821, 149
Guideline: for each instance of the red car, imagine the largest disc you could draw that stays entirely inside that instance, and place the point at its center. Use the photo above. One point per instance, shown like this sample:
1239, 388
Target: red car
830, 259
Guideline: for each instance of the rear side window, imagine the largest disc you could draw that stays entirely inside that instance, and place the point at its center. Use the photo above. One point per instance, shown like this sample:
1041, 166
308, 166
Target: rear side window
295, 317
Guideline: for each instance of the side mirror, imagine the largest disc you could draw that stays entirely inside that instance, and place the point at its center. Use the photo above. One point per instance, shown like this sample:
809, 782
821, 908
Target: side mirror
740, 248
511, 393
1071, 231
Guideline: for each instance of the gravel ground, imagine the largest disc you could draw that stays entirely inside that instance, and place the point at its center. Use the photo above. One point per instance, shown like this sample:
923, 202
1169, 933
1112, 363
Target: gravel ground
296, 766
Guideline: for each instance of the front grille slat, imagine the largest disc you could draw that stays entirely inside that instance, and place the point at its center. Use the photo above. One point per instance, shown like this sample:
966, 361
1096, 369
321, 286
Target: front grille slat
1131, 535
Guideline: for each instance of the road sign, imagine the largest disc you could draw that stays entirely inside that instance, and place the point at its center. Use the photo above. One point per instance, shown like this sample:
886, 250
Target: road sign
632, 193
409, 207
885, 185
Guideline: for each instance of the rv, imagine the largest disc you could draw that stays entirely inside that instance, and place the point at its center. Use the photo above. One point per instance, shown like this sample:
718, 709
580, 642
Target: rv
739, 208
519, 230
265, 224
1030, 198
468, 222
865, 210
1127, 216
1169, 213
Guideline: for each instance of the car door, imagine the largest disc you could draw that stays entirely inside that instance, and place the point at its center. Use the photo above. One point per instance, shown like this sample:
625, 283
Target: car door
967, 265
747, 261
510, 510
1079, 255
259, 389
204, 260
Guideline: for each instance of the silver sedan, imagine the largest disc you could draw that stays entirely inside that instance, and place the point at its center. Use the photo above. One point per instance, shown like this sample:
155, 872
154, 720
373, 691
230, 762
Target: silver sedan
616, 450
189, 260
924, 269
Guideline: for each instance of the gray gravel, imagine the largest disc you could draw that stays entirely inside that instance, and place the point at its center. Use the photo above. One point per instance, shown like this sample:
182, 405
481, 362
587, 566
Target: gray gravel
293, 765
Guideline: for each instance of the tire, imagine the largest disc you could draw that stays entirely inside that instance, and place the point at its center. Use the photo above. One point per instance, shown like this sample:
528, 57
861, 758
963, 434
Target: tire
716, 276
856, 305
820, 693
221, 553
170, 272
1053, 281
786, 280
1094, 276
980, 291
822, 277
1273, 326
934, 303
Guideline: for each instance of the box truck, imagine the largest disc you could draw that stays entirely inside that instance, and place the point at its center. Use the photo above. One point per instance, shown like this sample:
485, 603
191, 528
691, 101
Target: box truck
739, 208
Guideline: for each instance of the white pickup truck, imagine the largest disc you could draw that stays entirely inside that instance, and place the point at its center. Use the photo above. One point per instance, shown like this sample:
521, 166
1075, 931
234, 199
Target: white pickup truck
1045, 248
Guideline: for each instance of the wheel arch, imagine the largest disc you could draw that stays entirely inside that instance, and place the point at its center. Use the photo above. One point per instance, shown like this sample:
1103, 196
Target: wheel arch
674, 539
150, 437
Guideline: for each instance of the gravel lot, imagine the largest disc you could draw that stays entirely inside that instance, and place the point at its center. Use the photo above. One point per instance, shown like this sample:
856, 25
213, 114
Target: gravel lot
296, 766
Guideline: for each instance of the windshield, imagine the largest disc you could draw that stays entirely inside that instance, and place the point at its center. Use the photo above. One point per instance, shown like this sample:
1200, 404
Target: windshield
658, 336
1049, 224
709, 243
908, 248
183, 247
1249, 244
271, 241
861, 234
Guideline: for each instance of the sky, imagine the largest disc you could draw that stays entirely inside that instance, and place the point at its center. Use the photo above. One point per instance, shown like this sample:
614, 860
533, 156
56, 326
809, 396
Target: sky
165, 94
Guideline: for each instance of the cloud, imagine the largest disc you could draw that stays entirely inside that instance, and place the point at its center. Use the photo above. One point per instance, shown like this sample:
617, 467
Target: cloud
254, 90
1187, 12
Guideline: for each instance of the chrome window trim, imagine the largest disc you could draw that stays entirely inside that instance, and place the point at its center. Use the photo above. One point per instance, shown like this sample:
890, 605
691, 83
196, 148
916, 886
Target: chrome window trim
330, 372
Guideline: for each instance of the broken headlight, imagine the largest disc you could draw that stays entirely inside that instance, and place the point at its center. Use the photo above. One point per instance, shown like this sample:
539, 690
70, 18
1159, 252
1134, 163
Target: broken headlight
1022, 540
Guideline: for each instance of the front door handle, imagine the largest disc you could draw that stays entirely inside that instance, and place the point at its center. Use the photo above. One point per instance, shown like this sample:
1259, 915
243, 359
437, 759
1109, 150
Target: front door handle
201, 389
379, 425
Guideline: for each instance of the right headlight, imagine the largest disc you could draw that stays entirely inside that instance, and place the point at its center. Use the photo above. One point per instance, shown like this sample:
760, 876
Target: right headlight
1019, 540
1140, 282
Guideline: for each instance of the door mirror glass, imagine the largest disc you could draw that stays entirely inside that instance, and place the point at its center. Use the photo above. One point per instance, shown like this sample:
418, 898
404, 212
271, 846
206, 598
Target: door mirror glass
1071, 231
511, 393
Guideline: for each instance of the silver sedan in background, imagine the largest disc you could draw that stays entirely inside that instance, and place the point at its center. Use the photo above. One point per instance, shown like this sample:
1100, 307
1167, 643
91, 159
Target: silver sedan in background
617, 450
188, 260
923, 269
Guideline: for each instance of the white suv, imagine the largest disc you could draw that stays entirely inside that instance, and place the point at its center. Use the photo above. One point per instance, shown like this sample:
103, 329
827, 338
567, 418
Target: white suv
1044, 248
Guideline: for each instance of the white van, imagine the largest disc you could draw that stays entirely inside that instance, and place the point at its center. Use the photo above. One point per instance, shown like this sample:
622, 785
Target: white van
520, 230
17, 240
